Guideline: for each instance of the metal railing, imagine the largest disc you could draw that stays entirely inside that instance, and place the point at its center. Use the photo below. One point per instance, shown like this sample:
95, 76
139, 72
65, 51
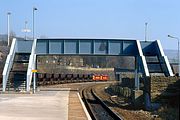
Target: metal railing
9, 63
164, 59
31, 65
142, 58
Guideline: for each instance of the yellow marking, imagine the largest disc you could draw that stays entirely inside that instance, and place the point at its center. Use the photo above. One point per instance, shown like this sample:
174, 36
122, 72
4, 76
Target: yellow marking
34, 71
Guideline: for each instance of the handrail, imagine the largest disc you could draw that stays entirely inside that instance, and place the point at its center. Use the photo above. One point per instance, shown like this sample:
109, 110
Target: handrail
31, 65
142, 58
164, 58
9, 63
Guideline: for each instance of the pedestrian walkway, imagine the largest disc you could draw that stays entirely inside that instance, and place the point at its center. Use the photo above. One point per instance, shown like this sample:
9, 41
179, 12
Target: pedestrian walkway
76, 109
44, 105
47, 104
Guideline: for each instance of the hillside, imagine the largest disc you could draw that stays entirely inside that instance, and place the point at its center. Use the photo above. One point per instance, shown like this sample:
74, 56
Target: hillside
172, 55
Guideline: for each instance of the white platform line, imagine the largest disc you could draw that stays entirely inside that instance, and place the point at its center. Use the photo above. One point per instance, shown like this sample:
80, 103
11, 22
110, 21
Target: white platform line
85, 110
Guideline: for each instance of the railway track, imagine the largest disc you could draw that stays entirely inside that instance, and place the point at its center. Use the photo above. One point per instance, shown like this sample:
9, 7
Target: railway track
96, 107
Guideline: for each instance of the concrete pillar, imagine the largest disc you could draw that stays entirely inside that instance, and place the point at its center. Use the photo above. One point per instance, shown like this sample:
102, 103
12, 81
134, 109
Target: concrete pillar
138, 99
4, 83
120, 77
137, 94
136, 73
147, 95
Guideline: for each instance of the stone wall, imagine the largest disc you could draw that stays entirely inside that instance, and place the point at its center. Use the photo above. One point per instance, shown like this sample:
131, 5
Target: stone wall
77, 70
0, 77
162, 87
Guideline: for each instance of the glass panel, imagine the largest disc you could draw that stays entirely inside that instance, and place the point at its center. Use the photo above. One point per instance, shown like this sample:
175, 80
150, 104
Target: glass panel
85, 47
70, 47
100, 47
115, 48
24, 46
55, 47
41, 47
128, 48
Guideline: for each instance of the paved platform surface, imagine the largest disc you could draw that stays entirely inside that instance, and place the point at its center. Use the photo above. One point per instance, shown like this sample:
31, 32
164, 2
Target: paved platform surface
76, 110
44, 105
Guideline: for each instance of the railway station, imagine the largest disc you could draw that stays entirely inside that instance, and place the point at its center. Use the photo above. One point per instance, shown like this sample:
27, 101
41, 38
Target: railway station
89, 60
28, 62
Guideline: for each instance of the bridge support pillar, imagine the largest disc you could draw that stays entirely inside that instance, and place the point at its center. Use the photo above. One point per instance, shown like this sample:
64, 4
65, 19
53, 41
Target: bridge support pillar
137, 94
136, 73
147, 90
137, 98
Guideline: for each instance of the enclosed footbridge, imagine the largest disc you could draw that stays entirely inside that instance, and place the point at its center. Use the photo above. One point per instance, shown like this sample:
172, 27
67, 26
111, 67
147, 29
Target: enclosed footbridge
24, 52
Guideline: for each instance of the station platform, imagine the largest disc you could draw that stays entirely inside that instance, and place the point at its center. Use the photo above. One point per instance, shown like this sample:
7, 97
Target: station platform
47, 104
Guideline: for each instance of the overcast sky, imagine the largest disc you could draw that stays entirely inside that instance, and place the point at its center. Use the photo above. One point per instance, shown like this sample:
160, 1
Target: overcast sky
95, 18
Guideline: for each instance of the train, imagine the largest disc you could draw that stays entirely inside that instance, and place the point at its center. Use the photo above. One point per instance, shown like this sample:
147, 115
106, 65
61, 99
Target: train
50, 79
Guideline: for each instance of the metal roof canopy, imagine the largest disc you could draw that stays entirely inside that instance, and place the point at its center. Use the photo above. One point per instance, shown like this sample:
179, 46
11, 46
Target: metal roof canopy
87, 47
114, 47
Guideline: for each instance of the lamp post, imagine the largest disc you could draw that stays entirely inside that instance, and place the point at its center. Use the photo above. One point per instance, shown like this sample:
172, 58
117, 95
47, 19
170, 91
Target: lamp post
8, 29
145, 31
26, 30
34, 80
178, 52
34, 9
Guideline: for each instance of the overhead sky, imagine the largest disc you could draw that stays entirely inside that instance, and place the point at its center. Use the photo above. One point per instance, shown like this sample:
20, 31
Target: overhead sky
95, 18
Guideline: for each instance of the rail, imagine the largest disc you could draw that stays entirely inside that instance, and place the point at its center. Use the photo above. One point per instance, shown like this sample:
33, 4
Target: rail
9, 63
99, 105
164, 60
113, 114
142, 58
31, 66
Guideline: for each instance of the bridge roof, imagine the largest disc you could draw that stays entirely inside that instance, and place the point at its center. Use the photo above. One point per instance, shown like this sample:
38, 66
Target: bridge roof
87, 46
